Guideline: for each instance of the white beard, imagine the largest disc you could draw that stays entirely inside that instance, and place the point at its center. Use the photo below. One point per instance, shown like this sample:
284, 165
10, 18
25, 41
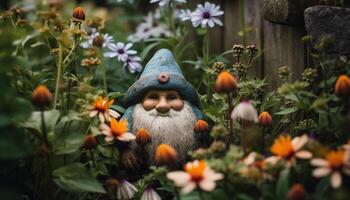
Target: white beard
175, 129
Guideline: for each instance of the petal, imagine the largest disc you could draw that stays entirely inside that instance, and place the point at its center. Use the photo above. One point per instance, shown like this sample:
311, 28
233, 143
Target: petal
303, 154
113, 113
126, 137
93, 113
319, 162
336, 180
101, 117
180, 178
189, 187
110, 54
299, 142
209, 174
207, 185
321, 172
109, 138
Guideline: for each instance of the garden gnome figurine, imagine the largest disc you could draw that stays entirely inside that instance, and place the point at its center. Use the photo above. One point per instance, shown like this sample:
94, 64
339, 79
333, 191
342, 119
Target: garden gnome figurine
162, 102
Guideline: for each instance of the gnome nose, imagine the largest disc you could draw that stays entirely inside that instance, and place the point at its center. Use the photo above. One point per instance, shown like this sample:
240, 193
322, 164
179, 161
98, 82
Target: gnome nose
163, 105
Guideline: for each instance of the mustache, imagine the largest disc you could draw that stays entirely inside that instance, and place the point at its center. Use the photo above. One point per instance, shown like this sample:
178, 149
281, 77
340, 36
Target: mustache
155, 113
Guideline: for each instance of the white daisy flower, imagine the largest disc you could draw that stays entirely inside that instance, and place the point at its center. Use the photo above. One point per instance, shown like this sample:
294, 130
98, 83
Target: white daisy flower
150, 194
120, 50
166, 2
126, 190
196, 174
206, 15
106, 39
133, 64
244, 112
335, 163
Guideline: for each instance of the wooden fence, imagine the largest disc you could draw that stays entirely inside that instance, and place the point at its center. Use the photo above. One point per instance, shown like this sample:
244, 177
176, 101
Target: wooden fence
281, 45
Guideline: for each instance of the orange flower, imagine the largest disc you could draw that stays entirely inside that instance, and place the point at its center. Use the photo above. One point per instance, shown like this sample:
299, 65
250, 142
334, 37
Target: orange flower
334, 163
201, 126
79, 14
41, 96
90, 142
285, 147
165, 155
101, 108
143, 137
342, 86
117, 130
297, 192
225, 82
196, 174
265, 119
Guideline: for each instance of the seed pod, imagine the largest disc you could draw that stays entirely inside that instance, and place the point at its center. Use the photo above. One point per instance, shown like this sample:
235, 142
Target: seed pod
165, 155
265, 119
78, 13
41, 96
201, 126
342, 86
297, 192
225, 82
42, 151
143, 137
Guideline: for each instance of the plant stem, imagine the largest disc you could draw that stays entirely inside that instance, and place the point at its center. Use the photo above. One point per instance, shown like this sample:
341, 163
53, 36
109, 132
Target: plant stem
92, 158
263, 140
104, 79
242, 22
58, 76
201, 195
229, 120
177, 195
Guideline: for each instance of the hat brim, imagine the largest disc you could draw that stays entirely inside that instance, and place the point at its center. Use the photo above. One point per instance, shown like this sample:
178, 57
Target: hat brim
139, 89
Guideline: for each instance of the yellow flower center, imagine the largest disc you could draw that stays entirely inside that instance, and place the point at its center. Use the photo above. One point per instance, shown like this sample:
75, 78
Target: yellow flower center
118, 128
336, 158
196, 170
283, 146
102, 104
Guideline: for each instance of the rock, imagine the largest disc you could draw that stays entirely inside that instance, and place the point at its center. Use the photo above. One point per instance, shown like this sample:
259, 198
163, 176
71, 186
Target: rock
332, 23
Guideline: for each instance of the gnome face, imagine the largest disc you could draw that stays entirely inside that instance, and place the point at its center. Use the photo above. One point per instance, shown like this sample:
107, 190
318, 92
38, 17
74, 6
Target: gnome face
162, 101
165, 104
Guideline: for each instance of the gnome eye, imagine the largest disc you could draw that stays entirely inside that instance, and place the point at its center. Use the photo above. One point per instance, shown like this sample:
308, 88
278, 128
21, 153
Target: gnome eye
153, 96
172, 97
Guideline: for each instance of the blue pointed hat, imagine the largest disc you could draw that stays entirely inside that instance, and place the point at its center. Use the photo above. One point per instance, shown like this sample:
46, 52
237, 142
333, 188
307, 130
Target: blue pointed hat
161, 73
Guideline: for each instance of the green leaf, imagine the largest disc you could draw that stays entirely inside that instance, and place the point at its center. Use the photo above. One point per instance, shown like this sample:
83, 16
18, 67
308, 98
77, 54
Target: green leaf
287, 111
68, 143
75, 177
50, 116
14, 144
282, 185
147, 50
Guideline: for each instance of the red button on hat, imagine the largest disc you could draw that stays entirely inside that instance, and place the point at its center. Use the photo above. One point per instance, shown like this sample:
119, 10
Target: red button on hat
163, 77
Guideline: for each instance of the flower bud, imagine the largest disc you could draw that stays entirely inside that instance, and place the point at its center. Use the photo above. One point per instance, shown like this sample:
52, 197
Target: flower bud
342, 86
225, 82
90, 142
79, 14
165, 155
143, 137
41, 96
42, 151
112, 185
265, 119
201, 126
297, 192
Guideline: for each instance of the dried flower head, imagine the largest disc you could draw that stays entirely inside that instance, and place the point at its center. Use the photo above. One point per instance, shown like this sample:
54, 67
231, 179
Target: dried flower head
225, 82
90, 142
41, 96
166, 155
265, 119
237, 50
297, 192
342, 86
219, 131
201, 126
218, 67
42, 151
284, 72
252, 50
90, 62
309, 75
143, 137
79, 13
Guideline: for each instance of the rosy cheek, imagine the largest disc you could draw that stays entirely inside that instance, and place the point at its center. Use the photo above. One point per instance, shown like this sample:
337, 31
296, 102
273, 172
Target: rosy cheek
149, 104
177, 104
